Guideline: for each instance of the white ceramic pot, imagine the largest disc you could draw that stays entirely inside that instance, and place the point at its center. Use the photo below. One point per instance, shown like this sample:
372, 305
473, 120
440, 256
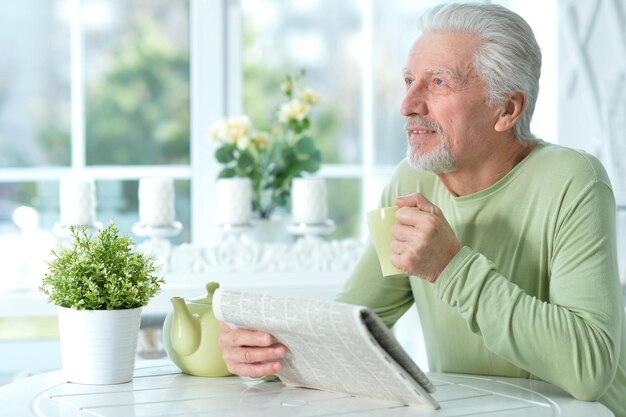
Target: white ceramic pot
98, 346
273, 230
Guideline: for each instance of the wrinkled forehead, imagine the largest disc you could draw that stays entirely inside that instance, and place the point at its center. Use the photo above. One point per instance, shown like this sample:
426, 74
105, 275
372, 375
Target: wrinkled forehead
443, 53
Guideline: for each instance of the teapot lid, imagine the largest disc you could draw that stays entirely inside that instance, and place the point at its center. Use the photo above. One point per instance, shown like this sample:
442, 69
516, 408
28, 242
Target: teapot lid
208, 298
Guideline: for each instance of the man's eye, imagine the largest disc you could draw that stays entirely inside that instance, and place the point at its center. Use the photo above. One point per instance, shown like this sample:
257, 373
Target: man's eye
438, 81
408, 81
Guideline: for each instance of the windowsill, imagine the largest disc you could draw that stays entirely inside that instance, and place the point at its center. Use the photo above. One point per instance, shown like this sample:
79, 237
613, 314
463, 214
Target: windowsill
309, 267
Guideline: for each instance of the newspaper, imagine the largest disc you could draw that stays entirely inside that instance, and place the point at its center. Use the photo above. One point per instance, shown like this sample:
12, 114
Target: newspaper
331, 346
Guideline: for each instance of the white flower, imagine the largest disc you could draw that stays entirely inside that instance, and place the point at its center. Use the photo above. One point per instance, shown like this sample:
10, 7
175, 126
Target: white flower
238, 131
216, 131
235, 130
308, 96
243, 143
293, 110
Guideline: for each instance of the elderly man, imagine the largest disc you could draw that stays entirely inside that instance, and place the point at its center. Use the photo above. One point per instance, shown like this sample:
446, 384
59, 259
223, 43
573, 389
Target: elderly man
508, 242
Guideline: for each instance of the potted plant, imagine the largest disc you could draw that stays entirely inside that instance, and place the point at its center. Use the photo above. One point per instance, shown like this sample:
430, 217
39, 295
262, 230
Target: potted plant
99, 283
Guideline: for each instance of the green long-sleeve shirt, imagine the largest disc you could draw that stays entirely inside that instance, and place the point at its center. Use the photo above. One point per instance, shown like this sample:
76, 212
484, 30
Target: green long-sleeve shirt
533, 293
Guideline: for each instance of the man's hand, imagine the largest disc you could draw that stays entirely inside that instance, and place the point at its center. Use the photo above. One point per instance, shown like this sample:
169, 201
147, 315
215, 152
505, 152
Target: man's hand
424, 243
249, 352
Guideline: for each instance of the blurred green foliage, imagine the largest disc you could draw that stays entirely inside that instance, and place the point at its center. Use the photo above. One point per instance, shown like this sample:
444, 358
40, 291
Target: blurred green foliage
138, 112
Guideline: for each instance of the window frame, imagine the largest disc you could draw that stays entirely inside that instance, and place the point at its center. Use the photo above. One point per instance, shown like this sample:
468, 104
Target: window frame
216, 71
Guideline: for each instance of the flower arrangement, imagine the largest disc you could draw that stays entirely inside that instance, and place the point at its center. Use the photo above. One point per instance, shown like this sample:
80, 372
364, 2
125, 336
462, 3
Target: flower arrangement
270, 159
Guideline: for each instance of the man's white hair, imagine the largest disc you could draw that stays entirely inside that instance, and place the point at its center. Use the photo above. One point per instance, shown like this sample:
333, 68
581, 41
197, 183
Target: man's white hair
507, 56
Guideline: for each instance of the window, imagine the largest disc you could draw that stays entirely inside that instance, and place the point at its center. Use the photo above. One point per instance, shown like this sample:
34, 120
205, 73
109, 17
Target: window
96, 87
123, 89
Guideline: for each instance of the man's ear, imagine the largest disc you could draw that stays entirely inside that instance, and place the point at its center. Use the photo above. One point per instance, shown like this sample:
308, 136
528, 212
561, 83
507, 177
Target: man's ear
510, 112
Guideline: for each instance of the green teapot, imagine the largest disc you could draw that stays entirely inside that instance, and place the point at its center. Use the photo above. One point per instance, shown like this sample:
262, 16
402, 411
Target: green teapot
190, 335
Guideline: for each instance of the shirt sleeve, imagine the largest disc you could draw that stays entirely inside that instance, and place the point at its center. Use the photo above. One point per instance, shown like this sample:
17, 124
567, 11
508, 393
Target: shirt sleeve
573, 339
390, 298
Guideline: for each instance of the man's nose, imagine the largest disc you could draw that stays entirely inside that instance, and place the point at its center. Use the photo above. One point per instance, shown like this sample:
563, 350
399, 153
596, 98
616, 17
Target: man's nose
414, 102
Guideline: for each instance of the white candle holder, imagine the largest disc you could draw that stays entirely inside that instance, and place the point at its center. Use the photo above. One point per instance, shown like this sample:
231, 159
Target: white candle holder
77, 204
146, 230
156, 201
234, 205
309, 207
156, 209
319, 229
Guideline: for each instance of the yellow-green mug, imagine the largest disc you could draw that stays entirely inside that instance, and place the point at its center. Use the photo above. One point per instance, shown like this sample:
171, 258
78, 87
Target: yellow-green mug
380, 222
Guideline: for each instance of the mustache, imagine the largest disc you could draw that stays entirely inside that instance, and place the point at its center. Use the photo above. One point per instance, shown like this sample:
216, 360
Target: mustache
421, 121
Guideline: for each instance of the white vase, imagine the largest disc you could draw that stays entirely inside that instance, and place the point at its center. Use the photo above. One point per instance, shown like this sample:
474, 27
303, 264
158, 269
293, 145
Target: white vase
272, 230
98, 346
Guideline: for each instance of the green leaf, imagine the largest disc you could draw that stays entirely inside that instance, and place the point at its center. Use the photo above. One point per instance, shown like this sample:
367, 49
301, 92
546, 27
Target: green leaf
310, 165
227, 173
225, 154
242, 173
305, 145
245, 161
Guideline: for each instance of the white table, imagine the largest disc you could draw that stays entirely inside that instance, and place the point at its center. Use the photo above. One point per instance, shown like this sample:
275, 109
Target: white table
159, 389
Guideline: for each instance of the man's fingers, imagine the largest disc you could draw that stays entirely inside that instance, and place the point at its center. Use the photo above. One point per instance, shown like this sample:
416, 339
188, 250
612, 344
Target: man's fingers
415, 218
254, 361
407, 200
224, 328
250, 352
251, 338
253, 355
243, 337
416, 200
255, 370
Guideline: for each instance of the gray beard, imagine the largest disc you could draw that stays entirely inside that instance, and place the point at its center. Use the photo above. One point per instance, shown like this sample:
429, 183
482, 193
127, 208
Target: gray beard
439, 161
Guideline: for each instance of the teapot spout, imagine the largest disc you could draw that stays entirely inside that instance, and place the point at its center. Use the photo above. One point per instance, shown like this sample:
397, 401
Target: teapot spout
185, 333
